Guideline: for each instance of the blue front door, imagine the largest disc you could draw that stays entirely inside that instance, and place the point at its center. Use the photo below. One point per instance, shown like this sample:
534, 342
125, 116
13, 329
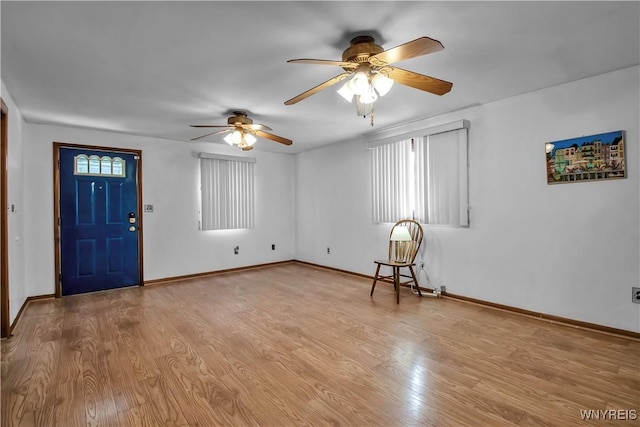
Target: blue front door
98, 220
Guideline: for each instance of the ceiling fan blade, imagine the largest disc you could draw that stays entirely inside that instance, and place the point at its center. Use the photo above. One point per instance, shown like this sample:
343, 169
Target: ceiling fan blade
324, 62
316, 89
420, 81
273, 137
212, 133
209, 126
417, 47
256, 127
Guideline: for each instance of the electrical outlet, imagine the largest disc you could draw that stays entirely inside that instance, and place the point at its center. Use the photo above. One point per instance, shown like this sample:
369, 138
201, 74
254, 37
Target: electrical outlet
273, 247
635, 295
328, 250
443, 288
236, 250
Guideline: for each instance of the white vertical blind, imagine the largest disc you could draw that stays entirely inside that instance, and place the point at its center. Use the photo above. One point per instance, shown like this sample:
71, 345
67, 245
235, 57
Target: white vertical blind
227, 193
392, 182
442, 198
421, 186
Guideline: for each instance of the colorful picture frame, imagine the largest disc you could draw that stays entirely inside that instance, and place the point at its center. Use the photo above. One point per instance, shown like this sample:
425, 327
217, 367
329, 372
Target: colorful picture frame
586, 158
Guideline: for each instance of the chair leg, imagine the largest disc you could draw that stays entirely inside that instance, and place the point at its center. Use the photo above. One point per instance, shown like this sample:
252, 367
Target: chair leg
396, 283
375, 279
415, 280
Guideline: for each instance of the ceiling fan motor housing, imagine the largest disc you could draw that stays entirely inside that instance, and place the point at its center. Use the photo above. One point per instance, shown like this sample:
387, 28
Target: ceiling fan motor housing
240, 118
362, 47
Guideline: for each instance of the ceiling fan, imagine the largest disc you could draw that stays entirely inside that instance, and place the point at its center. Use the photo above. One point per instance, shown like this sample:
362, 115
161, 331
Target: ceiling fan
242, 131
372, 75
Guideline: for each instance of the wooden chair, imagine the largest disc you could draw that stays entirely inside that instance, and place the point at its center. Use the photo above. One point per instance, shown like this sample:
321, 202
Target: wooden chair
404, 241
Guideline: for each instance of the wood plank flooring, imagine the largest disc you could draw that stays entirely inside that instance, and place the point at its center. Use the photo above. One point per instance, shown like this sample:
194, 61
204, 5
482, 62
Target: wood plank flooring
295, 345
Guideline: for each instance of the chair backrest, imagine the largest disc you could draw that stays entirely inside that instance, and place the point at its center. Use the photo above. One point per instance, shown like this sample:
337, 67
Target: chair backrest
406, 251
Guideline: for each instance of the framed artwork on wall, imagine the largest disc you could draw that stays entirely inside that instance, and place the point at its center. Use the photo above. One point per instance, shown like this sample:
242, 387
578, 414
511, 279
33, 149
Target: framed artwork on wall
586, 158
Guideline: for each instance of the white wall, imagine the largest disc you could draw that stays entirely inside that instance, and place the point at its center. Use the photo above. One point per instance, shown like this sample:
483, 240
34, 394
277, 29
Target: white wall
17, 288
173, 245
569, 250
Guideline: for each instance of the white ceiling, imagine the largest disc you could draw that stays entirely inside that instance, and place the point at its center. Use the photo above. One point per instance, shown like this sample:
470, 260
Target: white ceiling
153, 68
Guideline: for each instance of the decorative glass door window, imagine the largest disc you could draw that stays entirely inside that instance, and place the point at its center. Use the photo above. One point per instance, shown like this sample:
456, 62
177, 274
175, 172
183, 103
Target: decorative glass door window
96, 165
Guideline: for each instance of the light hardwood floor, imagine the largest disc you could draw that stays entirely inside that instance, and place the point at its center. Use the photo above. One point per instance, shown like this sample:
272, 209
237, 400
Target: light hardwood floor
294, 345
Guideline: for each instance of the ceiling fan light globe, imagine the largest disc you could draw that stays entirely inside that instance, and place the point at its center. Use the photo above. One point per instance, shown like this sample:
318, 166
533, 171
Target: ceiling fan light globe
368, 97
236, 137
382, 84
228, 139
363, 109
359, 84
249, 139
346, 92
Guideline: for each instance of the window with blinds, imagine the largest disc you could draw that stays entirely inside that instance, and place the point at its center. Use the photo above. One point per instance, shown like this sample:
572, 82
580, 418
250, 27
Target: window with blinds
227, 188
422, 177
